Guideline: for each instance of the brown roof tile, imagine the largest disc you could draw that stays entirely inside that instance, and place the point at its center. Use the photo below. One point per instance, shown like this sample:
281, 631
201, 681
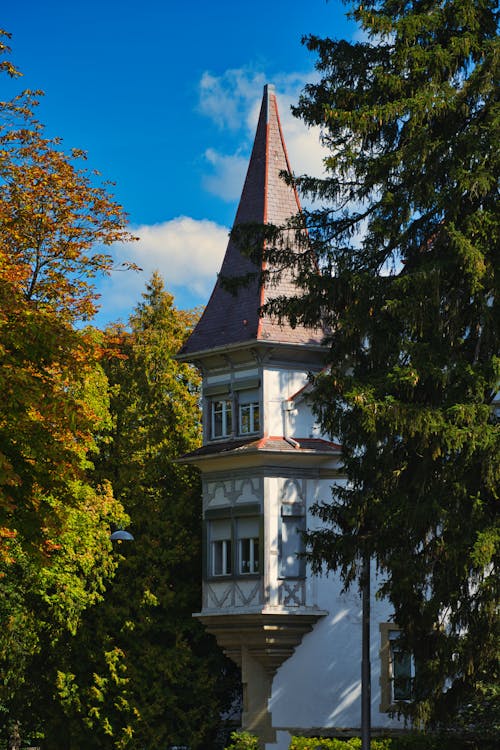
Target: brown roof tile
273, 444
266, 198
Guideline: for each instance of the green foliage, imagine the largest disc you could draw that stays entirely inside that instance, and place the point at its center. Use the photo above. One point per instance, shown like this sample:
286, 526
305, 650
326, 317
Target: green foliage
406, 285
354, 743
55, 553
243, 741
406, 741
141, 672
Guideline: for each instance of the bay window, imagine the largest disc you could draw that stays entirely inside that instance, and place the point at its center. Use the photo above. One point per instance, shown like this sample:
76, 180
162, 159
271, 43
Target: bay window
234, 541
233, 408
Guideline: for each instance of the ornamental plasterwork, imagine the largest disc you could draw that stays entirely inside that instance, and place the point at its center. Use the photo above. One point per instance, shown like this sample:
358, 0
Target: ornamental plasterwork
232, 491
232, 594
293, 491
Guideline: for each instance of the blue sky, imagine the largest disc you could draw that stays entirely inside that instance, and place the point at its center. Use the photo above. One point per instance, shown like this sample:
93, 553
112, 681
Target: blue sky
164, 98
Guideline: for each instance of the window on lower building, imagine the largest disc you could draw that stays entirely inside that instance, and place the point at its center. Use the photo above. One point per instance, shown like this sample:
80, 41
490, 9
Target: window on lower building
222, 418
401, 670
248, 546
397, 669
291, 541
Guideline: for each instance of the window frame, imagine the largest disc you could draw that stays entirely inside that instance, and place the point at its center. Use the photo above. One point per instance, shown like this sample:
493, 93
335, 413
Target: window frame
253, 537
388, 634
233, 396
220, 538
254, 409
227, 411
250, 511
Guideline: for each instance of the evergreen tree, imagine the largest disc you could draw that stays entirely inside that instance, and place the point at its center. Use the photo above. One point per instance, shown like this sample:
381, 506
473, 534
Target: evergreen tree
406, 281
142, 672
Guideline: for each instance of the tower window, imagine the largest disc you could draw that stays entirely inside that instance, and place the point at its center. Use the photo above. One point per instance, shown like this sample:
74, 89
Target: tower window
248, 546
222, 418
234, 542
249, 412
249, 418
221, 548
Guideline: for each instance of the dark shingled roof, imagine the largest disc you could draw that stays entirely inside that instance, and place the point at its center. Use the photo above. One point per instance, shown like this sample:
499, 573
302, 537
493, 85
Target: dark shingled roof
266, 198
265, 444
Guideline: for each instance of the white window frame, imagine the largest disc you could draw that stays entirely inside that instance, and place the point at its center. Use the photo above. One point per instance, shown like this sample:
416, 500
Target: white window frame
253, 556
249, 411
224, 546
226, 412
221, 555
253, 408
247, 530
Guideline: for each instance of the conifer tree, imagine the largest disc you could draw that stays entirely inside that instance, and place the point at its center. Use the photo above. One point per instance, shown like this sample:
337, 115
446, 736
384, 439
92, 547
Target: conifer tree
406, 280
142, 672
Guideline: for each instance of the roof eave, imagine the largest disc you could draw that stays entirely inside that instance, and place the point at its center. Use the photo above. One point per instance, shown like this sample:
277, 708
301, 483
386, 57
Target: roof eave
248, 345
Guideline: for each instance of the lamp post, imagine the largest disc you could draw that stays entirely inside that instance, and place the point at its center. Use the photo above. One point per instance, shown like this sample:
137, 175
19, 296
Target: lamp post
365, 654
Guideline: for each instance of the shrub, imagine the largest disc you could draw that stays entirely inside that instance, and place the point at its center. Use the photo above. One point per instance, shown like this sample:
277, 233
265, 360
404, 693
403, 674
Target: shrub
243, 741
354, 743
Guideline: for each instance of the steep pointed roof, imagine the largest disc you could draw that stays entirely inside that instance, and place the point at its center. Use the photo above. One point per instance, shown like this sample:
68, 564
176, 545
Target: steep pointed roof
230, 318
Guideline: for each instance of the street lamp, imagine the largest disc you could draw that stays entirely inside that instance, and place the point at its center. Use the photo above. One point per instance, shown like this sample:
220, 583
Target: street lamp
121, 536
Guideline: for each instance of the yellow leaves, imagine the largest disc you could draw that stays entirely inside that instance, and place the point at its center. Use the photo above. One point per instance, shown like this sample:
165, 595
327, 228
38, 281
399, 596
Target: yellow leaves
6, 533
149, 598
50, 546
6, 556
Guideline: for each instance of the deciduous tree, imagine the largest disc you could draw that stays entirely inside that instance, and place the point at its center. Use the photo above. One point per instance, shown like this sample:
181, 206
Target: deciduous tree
55, 554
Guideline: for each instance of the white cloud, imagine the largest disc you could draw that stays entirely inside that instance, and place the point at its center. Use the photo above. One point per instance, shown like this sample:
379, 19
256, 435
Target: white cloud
187, 253
225, 99
228, 174
232, 100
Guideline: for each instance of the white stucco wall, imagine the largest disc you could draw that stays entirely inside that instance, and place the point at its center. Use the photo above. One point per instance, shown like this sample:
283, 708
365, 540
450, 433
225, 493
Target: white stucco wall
280, 385
320, 684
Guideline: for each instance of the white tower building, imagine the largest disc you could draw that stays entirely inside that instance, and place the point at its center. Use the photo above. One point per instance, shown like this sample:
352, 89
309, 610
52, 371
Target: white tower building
296, 636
